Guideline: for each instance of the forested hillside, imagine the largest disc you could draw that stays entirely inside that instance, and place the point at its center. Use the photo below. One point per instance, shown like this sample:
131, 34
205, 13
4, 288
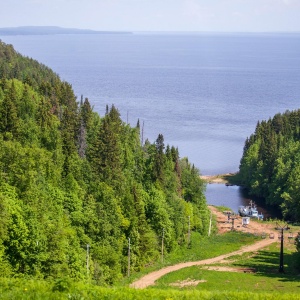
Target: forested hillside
270, 166
70, 178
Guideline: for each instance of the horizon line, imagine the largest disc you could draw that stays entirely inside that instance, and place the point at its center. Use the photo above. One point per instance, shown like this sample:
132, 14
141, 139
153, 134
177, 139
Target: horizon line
153, 31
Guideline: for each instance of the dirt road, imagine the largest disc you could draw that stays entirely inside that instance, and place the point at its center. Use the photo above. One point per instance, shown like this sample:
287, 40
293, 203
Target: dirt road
223, 226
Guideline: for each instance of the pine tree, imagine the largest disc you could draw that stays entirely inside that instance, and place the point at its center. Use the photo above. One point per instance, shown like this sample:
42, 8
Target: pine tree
8, 113
159, 160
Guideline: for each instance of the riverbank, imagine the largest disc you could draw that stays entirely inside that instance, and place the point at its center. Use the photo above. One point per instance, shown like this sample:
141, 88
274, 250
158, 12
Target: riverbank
228, 178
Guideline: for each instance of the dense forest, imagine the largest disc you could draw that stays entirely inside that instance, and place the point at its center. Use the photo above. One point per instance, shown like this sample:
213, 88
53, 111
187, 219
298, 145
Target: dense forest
71, 180
270, 166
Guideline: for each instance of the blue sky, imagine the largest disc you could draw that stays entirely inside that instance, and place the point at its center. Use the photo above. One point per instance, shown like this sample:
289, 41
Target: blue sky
155, 15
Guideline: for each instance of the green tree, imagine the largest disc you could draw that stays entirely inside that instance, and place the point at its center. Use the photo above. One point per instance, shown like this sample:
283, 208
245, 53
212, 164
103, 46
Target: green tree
159, 159
9, 114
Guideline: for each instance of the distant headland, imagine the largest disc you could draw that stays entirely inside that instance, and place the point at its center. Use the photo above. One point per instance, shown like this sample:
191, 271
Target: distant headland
51, 30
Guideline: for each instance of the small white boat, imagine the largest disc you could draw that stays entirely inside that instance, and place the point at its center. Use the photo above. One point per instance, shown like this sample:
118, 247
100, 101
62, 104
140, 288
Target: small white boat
250, 211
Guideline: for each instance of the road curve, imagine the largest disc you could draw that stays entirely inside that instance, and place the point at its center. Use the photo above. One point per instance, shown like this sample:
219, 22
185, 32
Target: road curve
150, 278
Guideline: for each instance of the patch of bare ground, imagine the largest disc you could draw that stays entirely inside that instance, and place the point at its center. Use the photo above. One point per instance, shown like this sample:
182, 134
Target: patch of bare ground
254, 227
187, 282
220, 178
229, 269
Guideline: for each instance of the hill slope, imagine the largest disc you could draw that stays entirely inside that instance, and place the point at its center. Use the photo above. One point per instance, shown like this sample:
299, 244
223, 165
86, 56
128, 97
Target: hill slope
74, 186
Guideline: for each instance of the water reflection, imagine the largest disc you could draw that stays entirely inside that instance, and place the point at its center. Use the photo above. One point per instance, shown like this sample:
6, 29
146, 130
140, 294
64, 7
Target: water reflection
233, 197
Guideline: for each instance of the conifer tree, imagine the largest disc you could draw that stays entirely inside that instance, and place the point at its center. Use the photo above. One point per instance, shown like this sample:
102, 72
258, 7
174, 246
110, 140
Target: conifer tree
159, 160
8, 112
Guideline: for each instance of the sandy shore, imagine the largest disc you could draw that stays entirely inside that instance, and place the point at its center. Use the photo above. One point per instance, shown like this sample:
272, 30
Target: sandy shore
220, 178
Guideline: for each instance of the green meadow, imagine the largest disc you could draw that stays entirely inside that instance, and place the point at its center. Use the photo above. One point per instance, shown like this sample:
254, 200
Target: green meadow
265, 283
260, 276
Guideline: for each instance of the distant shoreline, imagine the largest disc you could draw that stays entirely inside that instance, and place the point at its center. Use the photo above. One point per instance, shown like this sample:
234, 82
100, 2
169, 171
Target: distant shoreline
228, 178
51, 30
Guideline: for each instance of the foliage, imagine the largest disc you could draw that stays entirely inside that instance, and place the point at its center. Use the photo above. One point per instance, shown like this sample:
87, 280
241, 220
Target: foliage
270, 166
70, 178
34, 289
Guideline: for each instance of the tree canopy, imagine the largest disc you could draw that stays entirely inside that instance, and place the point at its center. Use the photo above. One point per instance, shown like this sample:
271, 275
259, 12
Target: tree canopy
71, 178
270, 166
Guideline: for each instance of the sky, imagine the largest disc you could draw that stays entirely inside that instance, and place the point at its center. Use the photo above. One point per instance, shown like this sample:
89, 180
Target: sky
155, 15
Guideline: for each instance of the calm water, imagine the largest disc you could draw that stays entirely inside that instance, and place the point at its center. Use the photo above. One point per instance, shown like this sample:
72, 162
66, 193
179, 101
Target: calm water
204, 93
233, 197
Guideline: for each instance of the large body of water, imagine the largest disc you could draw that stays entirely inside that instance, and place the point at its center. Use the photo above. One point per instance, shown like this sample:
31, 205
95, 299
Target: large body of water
203, 92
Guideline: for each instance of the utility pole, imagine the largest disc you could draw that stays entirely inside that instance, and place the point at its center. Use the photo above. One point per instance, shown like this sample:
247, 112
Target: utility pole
162, 245
87, 260
232, 218
281, 229
209, 228
189, 231
128, 270
281, 253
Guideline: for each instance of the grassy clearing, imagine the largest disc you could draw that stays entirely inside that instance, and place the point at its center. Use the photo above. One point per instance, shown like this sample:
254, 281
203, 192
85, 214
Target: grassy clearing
266, 278
199, 248
266, 262
207, 247
230, 281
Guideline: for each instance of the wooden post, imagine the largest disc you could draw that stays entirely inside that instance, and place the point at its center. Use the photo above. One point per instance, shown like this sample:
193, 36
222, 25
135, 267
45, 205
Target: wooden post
281, 228
162, 246
281, 253
128, 269
189, 231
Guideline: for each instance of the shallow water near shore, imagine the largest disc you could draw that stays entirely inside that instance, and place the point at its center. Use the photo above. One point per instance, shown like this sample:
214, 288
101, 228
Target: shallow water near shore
233, 196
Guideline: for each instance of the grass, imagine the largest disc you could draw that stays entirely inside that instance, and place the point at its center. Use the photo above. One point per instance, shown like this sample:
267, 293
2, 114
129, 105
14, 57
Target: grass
222, 208
265, 284
266, 278
42, 290
230, 281
200, 248
266, 262
207, 247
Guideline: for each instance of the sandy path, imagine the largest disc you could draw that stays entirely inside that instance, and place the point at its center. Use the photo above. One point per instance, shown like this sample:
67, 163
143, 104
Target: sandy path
150, 278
